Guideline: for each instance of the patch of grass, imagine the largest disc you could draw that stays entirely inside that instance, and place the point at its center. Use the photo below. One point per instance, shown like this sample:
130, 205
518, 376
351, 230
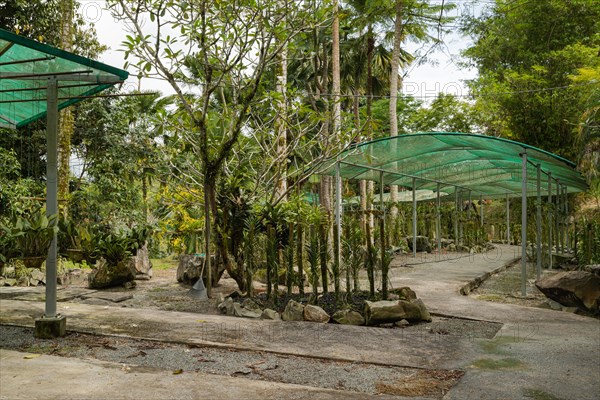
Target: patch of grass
537, 394
490, 297
504, 363
163, 263
495, 346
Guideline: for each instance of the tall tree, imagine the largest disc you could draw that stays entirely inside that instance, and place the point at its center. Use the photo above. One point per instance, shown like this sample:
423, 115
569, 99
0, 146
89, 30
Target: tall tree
224, 45
525, 53
66, 123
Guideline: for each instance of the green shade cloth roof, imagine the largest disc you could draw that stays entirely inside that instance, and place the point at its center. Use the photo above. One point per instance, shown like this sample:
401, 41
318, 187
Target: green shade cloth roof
27, 65
481, 165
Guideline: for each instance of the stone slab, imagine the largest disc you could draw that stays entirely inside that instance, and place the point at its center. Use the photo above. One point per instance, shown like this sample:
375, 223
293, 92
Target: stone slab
115, 297
66, 294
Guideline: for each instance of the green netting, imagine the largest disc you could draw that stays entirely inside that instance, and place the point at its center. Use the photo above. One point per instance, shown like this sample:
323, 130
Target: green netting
25, 68
481, 165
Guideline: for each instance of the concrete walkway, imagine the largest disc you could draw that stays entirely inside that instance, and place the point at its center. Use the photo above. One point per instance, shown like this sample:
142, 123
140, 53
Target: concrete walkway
537, 352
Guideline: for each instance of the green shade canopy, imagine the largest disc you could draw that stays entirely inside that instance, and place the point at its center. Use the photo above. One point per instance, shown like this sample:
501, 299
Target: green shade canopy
481, 165
27, 65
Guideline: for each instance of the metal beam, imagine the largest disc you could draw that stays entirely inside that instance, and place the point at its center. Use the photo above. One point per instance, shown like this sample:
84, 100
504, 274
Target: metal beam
524, 225
51, 191
507, 219
550, 222
414, 217
438, 223
538, 220
47, 58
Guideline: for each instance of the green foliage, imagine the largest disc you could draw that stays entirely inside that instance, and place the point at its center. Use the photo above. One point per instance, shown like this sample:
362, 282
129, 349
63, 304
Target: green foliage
352, 249
32, 233
521, 51
114, 248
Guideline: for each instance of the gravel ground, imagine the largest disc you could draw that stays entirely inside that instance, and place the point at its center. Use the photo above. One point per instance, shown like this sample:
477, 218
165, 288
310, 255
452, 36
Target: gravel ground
358, 377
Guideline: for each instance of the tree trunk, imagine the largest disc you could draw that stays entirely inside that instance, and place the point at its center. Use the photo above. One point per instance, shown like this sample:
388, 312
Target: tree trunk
281, 128
66, 122
300, 258
323, 254
395, 85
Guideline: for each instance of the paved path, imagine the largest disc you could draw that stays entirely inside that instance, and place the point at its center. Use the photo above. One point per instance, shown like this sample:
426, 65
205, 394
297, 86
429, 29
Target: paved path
537, 351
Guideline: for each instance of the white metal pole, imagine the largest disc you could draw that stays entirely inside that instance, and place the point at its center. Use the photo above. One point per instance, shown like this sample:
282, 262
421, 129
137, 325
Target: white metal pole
439, 222
507, 219
567, 244
481, 209
550, 222
538, 220
414, 216
524, 225
338, 219
51, 191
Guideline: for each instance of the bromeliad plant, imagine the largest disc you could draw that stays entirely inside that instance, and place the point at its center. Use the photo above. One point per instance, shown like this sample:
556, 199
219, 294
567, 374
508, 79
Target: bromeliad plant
33, 233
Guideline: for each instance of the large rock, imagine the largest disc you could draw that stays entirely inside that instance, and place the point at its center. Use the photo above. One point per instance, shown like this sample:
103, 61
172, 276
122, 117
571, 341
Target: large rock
593, 268
104, 275
425, 316
315, 314
142, 261
422, 243
190, 267
380, 312
348, 317
573, 289
226, 307
240, 311
294, 311
270, 314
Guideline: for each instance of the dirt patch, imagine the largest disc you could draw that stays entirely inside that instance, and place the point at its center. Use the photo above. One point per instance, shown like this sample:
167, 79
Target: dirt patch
424, 383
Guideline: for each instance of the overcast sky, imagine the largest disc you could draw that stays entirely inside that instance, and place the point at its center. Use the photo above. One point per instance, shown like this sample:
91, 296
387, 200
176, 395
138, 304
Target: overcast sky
422, 81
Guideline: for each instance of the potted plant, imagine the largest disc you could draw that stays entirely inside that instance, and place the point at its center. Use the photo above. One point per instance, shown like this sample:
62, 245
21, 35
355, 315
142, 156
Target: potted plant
117, 268
33, 235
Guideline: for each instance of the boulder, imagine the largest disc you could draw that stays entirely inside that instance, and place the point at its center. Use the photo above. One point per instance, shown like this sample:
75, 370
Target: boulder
226, 307
425, 316
270, 314
315, 314
240, 311
190, 267
250, 304
294, 311
573, 289
380, 312
105, 275
406, 293
594, 269
422, 243
37, 275
23, 281
142, 261
348, 317
402, 323
10, 282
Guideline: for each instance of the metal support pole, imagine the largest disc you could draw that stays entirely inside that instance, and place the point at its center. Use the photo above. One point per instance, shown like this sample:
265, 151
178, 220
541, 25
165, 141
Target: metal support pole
556, 218
550, 222
567, 244
524, 225
538, 220
438, 222
51, 191
414, 216
456, 215
481, 209
469, 209
338, 222
507, 219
